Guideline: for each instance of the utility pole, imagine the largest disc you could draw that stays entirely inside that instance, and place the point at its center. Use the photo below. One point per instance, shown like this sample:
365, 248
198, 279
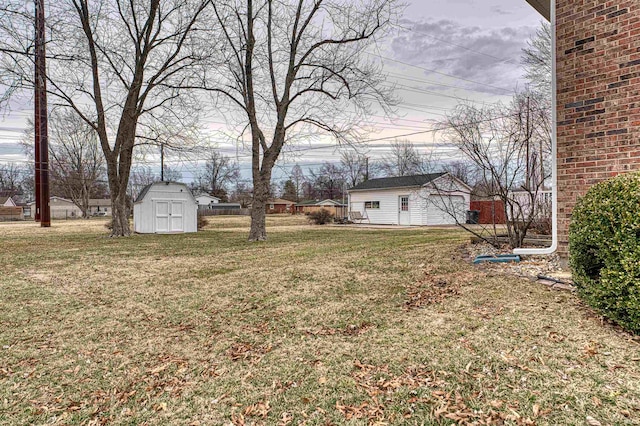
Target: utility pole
528, 154
161, 161
42, 139
366, 169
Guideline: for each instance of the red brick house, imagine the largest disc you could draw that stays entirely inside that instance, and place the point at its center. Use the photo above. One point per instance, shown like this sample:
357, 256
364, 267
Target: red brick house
278, 205
597, 95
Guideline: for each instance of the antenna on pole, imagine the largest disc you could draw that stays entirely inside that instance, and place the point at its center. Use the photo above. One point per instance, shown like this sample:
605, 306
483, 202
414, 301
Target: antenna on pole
42, 139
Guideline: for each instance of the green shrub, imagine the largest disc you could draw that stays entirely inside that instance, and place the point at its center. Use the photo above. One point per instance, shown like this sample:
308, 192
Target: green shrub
321, 217
604, 245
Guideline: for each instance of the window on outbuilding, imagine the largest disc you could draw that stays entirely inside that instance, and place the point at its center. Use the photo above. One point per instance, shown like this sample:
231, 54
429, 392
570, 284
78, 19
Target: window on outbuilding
372, 204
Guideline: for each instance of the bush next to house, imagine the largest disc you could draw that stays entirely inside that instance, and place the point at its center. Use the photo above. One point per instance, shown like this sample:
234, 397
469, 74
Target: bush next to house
321, 217
604, 245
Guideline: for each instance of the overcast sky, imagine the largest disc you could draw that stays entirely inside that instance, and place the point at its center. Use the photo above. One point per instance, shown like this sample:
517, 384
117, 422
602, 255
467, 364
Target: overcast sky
447, 51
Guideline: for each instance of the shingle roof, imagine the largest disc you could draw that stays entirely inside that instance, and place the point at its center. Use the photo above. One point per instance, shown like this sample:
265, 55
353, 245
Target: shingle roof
146, 189
143, 193
279, 201
397, 182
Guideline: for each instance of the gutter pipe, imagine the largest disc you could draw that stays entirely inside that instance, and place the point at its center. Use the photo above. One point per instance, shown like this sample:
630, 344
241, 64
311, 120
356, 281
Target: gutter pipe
554, 150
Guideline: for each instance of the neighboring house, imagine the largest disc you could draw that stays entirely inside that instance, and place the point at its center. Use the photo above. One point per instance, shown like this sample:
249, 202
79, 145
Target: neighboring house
431, 199
335, 207
278, 205
206, 201
60, 208
7, 202
165, 207
99, 207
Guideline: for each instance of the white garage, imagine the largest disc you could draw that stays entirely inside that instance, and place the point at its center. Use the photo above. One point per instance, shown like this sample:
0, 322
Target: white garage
165, 208
429, 199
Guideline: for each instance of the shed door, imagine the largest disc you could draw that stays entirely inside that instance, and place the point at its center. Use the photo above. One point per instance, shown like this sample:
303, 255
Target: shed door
177, 216
162, 216
404, 215
444, 210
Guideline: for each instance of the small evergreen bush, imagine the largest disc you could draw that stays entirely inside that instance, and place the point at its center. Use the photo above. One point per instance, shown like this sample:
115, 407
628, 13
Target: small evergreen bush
604, 246
321, 217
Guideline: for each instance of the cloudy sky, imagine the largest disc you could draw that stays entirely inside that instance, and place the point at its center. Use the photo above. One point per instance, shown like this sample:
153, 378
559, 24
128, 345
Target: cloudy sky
446, 52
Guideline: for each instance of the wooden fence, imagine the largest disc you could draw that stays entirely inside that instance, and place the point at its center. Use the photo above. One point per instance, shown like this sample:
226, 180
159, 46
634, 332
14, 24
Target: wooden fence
11, 213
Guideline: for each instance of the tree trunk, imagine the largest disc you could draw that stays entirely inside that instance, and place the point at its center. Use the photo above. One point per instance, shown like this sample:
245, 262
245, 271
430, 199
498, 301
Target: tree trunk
261, 188
120, 215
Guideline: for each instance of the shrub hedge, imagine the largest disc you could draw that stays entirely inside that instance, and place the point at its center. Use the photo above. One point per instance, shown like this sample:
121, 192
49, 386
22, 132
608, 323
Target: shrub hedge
321, 217
604, 247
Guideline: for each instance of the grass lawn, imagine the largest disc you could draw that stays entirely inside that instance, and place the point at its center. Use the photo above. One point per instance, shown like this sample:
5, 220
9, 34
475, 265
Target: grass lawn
317, 326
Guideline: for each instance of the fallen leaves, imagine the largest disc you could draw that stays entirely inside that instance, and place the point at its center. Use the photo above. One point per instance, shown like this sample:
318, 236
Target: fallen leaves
436, 288
248, 352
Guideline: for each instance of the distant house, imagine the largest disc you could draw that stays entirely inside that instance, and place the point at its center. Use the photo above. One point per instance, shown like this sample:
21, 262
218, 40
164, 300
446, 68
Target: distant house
7, 202
99, 207
165, 207
9, 210
206, 201
60, 208
430, 199
335, 207
278, 205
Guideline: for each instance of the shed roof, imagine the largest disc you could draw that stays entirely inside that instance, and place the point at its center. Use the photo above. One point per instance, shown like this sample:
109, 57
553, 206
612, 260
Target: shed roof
397, 182
146, 189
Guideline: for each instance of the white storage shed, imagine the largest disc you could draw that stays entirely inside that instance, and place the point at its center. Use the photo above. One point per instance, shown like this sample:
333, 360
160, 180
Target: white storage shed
165, 207
430, 199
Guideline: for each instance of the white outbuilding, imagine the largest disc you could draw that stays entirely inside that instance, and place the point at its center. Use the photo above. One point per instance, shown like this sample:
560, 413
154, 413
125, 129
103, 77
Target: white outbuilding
430, 199
165, 207
206, 201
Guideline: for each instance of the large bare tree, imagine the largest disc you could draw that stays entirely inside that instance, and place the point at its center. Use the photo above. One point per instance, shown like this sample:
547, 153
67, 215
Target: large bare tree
219, 172
404, 160
76, 160
295, 65
121, 65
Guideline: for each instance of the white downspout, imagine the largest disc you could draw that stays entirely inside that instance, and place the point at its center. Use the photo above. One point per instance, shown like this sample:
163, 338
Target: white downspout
554, 150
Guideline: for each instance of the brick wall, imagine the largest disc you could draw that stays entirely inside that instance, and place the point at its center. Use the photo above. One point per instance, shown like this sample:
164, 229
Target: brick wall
598, 75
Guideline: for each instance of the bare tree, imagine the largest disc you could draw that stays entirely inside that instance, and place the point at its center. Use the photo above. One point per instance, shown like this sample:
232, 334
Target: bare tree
241, 193
140, 177
171, 174
463, 170
536, 59
295, 66
77, 163
12, 176
298, 179
124, 67
219, 172
328, 181
507, 147
404, 160
355, 167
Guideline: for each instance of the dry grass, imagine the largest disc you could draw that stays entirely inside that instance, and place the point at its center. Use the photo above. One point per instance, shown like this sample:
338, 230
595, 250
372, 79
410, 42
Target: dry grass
317, 326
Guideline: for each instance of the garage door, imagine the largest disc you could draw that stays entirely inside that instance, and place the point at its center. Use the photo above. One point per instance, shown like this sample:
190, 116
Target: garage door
443, 210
